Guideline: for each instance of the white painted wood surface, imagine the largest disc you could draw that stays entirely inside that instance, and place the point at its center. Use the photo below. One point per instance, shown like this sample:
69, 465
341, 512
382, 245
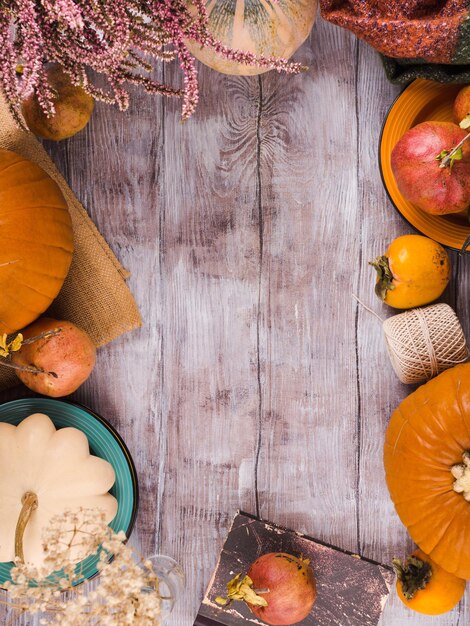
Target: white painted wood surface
257, 382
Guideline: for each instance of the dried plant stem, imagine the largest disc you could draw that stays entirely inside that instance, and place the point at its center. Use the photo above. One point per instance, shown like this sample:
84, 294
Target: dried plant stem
31, 369
45, 335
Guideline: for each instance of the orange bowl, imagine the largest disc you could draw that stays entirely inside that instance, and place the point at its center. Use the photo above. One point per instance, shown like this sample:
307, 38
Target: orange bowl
421, 101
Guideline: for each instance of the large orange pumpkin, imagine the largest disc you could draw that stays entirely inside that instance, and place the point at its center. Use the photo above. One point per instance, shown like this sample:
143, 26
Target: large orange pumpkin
425, 443
272, 29
36, 241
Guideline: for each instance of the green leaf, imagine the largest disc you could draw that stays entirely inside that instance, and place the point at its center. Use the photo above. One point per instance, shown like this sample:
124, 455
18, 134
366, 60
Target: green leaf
457, 156
442, 155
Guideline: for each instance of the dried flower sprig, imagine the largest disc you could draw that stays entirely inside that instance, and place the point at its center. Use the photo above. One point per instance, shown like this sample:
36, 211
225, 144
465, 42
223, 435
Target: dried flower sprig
126, 592
117, 39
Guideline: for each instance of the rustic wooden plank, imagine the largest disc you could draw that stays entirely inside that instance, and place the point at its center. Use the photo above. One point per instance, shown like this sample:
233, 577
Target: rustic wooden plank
210, 271
115, 169
309, 203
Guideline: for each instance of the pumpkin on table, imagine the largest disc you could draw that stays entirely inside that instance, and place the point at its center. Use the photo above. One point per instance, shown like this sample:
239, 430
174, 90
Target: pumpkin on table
37, 241
272, 29
427, 467
45, 472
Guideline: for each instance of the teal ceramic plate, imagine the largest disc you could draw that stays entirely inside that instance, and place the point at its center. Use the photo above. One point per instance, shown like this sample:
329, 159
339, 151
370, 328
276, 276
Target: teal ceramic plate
104, 442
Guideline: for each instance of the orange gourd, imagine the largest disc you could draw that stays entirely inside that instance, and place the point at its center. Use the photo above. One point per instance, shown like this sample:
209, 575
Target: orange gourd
36, 241
427, 468
272, 29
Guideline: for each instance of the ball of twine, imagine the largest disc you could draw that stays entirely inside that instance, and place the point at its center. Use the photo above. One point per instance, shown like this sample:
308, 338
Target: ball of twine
424, 342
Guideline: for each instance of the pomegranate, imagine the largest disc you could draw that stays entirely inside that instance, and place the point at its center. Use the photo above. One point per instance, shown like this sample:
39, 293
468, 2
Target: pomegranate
424, 175
63, 354
290, 588
462, 107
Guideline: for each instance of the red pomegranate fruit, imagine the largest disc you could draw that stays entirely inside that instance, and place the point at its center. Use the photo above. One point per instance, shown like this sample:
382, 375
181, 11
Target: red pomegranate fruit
290, 588
425, 176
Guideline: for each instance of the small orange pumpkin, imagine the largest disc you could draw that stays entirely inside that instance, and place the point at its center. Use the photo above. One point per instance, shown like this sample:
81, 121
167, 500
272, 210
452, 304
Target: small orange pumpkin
36, 241
271, 29
427, 468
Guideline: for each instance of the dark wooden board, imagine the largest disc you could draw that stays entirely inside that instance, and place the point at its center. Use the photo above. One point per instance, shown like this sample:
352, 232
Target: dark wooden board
351, 590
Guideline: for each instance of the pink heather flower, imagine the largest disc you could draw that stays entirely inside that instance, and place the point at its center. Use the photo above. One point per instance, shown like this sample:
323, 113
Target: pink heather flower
116, 39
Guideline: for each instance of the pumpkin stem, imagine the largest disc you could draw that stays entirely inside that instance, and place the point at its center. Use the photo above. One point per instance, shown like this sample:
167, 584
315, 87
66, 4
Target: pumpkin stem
414, 575
461, 473
30, 503
384, 276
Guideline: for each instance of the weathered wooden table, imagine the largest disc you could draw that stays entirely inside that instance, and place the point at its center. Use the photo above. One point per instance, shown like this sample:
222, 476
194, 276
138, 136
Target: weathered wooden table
257, 382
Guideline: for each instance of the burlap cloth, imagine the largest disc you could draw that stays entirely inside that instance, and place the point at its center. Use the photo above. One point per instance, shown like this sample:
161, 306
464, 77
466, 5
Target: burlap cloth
95, 295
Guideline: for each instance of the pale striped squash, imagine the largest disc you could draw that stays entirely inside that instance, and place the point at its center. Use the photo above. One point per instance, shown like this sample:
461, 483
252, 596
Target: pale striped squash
264, 27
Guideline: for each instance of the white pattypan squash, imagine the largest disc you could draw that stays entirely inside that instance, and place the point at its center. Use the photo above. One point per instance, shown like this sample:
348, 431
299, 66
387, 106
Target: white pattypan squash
56, 466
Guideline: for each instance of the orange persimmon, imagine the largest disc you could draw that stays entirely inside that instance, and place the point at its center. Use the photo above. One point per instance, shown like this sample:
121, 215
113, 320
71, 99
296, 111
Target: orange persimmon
414, 271
425, 587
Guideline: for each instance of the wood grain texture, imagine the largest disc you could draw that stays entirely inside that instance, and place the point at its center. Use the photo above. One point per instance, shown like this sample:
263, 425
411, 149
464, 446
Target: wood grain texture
308, 184
256, 382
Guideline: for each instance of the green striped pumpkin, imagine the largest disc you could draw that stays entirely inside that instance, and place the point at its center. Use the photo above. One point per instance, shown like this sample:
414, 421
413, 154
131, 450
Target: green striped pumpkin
264, 27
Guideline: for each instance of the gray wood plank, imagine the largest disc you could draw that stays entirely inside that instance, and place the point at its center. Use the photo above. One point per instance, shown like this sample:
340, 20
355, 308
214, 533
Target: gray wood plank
309, 204
210, 271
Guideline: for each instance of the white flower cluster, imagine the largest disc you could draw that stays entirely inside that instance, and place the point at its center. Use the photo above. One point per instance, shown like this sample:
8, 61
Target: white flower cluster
125, 593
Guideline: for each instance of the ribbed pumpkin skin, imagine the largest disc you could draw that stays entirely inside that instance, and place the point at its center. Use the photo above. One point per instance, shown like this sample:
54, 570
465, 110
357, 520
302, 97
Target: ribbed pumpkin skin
36, 241
426, 436
262, 27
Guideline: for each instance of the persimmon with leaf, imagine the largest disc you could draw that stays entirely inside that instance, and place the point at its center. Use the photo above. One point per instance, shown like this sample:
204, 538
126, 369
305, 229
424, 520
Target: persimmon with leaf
424, 586
414, 271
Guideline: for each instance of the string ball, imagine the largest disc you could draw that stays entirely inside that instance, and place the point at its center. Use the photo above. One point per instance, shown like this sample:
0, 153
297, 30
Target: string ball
425, 341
